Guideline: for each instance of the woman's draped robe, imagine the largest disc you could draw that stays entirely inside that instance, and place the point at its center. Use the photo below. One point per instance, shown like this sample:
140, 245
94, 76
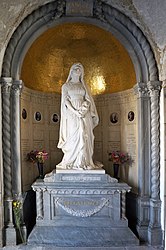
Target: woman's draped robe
76, 133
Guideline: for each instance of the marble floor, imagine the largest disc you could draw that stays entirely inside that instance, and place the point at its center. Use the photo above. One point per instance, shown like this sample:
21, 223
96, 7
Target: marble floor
27, 247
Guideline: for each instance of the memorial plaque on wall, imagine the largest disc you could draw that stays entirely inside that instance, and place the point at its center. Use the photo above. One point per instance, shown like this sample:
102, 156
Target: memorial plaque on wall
113, 146
131, 145
25, 146
38, 144
114, 136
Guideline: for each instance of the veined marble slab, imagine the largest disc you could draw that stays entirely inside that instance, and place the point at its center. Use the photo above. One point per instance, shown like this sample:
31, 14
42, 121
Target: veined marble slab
81, 208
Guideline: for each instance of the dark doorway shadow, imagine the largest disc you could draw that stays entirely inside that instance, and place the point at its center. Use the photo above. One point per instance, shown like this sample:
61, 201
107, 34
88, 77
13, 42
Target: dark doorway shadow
29, 210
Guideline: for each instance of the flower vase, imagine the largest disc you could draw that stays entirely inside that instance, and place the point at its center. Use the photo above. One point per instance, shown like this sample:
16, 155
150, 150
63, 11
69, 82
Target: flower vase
116, 170
40, 169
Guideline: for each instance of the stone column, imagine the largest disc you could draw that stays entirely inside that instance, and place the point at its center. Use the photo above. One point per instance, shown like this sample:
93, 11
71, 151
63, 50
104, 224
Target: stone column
123, 204
15, 135
154, 230
9, 230
16, 147
143, 106
39, 203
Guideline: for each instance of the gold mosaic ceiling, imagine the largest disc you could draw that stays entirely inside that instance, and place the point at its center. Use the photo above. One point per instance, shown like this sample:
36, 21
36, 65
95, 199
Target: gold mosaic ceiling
108, 67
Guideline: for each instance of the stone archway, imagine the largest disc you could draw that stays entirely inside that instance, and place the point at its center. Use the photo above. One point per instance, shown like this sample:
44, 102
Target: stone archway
147, 89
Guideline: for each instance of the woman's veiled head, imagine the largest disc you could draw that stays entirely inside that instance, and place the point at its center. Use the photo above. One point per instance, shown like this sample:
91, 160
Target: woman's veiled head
78, 69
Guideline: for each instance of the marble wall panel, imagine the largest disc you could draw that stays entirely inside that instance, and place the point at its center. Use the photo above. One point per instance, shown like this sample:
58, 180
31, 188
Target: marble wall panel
44, 134
54, 134
25, 134
120, 135
114, 136
98, 133
37, 134
53, 145
98, 151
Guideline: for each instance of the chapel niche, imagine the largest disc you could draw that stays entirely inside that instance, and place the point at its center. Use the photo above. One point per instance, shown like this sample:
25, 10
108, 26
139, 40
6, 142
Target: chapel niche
109, 73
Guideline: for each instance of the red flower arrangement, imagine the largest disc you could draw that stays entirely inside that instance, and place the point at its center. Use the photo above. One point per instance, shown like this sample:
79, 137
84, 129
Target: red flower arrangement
37, 156
118, 157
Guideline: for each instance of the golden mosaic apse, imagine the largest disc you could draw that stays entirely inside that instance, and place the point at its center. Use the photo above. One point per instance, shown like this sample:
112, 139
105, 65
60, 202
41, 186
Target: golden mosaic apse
108, 67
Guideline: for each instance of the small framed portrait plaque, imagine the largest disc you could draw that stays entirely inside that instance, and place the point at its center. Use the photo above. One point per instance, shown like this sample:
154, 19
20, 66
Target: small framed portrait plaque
55, 118
131, 116
38, 116
114, 117
24, 114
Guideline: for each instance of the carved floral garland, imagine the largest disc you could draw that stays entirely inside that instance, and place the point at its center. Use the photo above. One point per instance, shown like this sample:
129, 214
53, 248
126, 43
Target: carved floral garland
82, 213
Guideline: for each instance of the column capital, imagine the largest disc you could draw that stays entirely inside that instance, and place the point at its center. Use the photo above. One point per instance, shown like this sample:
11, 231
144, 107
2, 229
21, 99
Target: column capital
17, 86
5, 80
156, 203
141, 89
154, 87
6, 83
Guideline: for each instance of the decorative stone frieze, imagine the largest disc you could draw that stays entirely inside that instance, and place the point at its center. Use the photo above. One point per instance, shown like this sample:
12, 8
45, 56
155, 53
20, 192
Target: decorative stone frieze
60, 10
83, 212
79, 191
79, 8
98, 11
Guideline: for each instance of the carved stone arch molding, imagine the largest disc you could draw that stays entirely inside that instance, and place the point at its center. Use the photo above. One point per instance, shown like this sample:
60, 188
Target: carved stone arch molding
148, 87
103, 15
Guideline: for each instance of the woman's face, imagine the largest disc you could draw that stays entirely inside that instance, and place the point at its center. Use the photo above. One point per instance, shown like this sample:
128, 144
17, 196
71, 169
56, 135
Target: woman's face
76, 71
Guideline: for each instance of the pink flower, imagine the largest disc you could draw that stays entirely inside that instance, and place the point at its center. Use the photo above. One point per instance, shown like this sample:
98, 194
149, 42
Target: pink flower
118, 157
37, 156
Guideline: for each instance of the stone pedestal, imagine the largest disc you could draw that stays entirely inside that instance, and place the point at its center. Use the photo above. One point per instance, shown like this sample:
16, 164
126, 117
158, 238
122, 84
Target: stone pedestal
81, 209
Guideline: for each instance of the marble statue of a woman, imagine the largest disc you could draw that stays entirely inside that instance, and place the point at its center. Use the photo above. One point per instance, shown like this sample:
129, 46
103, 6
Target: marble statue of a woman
78, 119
